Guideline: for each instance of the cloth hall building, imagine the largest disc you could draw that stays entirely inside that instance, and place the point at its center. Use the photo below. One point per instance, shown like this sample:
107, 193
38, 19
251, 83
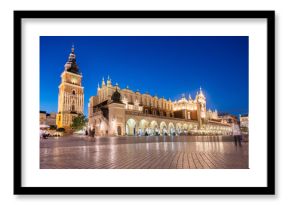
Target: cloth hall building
117, 111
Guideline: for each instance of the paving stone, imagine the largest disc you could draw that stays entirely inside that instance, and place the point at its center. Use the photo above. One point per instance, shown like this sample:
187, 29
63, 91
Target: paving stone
148, 152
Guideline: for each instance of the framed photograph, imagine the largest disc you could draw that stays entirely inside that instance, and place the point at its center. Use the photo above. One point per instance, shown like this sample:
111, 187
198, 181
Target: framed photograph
144, 102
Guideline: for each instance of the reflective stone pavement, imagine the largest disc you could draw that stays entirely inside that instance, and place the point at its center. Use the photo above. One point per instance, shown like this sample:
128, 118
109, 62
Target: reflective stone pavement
145, 152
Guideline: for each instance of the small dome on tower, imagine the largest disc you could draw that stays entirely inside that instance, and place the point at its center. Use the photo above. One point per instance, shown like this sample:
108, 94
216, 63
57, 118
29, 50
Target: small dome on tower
71, 64
116, 97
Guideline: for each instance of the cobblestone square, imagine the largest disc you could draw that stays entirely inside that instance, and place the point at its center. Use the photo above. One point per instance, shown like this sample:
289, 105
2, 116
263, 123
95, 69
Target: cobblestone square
144, 152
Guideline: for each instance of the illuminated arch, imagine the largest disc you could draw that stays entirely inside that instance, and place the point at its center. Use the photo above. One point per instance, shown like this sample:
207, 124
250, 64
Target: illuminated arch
153, 129
171, 128
185, 127
190, 127
131, 127
178, 128
103, 128
163, 128
143, 126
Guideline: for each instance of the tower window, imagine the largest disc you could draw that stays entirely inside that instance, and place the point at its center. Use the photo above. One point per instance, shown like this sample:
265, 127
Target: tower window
73, 92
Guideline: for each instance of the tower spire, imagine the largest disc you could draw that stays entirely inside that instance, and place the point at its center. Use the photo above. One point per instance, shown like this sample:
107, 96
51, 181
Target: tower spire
103, 82
72, 48
200, 92
71, 65
109, 81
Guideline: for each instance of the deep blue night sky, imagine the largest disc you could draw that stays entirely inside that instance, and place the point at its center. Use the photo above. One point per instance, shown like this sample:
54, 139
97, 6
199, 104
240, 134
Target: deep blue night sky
166, 66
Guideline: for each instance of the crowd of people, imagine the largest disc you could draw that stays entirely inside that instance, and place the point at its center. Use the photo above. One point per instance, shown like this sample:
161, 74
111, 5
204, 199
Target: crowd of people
44, 134
90, 132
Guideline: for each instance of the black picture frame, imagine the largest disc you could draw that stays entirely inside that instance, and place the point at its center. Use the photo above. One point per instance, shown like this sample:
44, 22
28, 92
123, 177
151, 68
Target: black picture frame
268, 190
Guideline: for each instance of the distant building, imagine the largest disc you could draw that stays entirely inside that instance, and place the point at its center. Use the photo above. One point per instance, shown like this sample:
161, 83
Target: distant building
228, 118
244, 120
47, 118
42, 117
51, 118
212, 115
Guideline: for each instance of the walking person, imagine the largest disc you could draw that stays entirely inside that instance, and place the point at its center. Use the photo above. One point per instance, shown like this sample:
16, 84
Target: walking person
41, 133
240, 139
93, 132
237, 134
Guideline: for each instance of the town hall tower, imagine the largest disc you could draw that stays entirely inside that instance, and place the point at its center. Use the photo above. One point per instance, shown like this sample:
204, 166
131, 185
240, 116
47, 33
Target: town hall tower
71, 93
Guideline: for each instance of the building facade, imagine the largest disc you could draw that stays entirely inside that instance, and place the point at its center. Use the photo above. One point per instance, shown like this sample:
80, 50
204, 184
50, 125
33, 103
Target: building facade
228, 118
244, 120
71, 93
51, 118
116, 111
42, 118
47, 118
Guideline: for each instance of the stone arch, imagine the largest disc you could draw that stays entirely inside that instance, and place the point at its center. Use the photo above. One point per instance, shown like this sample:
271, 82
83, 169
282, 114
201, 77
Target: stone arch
143, 127
163, 128
190, 127
72, 106
119, 130
185, 128
171, 128
178, 128
103, 128
154, 129
131, 127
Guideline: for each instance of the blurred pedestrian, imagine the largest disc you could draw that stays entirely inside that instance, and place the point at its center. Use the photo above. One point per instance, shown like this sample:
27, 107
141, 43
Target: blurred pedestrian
41, 133
237, 134
93, 132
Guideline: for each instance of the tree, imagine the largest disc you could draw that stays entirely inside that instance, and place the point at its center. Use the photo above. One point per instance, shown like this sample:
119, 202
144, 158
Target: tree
52, 127
79, 122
